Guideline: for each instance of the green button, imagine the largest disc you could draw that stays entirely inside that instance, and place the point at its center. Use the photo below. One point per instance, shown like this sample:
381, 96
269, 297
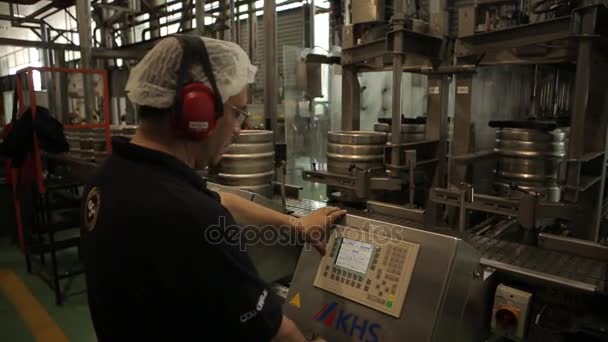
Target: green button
389, 304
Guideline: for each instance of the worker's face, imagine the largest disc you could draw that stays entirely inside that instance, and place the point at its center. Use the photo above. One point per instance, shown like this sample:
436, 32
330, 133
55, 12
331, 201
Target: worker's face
227, 127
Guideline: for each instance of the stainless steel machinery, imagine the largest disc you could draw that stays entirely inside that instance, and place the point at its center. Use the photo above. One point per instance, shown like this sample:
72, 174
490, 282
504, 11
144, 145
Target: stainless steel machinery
539, 230
385, 282
529, 258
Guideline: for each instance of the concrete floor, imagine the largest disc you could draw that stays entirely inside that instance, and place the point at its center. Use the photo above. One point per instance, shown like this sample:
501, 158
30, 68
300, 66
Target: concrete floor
27, 304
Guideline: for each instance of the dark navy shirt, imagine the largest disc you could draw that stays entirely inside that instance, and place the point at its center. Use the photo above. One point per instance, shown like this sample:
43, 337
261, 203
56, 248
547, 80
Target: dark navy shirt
158, 266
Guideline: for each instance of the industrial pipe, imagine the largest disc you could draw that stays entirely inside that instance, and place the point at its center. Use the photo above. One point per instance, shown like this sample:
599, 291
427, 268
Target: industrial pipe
83, 10
199, 11
397, 22
270, 66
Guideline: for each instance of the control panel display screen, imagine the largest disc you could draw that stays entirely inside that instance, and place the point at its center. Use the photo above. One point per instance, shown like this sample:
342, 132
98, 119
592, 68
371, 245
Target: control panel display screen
354, 255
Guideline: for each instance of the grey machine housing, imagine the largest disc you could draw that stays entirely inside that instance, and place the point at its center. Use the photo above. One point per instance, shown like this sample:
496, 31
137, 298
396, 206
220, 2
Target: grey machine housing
446, 299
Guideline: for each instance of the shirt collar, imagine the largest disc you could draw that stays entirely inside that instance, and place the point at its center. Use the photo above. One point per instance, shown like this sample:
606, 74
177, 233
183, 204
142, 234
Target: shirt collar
123, 148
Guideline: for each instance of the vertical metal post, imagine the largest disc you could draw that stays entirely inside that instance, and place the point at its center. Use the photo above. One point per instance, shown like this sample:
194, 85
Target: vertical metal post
237, 27
580, 141
462, 213
252, 19
397, 22
155, 22
83, 14
437, 129
107, 41
351, 99
270, 65
351, 91
309, 24
233, 27
534, 100
186, 16
466, 196
44, 52
252, 39
223, 12
47, 77
461, 138
555, 104
588, 127
61, 86
200, 17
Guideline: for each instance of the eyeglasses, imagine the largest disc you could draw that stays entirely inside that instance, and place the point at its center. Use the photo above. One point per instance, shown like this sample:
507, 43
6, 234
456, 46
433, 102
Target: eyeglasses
242, 115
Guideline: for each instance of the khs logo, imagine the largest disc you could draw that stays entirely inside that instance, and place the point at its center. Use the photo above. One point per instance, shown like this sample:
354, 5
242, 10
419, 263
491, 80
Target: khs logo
347, 323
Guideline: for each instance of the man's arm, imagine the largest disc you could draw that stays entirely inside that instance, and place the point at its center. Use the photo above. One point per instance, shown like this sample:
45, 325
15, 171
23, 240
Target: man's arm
288, 332
313, 226
246, 212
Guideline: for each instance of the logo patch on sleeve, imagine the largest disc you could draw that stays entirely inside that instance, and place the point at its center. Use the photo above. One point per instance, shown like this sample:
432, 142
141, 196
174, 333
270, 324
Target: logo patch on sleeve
92, 203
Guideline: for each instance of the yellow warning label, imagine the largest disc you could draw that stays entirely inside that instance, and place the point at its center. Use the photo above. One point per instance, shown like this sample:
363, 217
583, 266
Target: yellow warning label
295, 301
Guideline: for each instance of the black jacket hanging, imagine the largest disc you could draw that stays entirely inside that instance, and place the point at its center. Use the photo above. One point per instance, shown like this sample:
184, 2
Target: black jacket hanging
20, 140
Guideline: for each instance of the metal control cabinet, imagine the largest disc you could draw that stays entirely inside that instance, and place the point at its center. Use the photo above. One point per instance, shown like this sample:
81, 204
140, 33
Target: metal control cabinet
438, 281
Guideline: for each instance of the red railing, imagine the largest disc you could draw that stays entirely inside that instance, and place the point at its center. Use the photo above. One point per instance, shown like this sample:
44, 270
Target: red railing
28, 72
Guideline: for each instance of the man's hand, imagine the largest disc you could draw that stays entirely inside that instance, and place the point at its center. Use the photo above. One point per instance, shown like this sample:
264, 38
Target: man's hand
316, 224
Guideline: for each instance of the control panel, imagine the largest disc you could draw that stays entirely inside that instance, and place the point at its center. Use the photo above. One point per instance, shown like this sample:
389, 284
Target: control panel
369, 269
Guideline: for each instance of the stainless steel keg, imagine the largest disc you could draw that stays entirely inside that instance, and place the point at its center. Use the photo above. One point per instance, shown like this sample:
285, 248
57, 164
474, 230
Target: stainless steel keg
98, 139
529, 159
410, 132
249, 163
126, 131
361, 149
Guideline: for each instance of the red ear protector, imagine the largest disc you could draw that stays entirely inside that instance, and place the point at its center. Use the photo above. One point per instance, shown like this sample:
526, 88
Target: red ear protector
197, 107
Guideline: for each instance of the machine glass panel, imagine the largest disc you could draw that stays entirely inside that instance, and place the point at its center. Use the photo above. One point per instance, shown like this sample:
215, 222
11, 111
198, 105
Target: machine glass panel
367, 268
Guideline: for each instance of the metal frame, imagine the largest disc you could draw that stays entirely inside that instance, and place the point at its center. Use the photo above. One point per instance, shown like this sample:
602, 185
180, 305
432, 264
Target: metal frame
461, 139
403, 39
585, 164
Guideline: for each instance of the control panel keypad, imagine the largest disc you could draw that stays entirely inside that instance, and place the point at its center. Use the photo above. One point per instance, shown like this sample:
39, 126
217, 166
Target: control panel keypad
383, 285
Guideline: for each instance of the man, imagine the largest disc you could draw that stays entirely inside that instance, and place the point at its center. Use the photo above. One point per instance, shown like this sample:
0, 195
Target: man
159, 264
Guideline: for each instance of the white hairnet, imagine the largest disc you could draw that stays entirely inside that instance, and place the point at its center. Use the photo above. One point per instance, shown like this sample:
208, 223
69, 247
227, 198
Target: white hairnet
152, 81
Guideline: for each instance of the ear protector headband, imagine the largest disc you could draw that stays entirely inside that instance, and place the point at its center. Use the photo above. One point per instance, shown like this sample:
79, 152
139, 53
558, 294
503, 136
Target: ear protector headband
197, 107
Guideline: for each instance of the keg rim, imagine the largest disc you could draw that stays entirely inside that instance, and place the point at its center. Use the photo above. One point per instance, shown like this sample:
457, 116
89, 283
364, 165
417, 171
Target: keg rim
357, 137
